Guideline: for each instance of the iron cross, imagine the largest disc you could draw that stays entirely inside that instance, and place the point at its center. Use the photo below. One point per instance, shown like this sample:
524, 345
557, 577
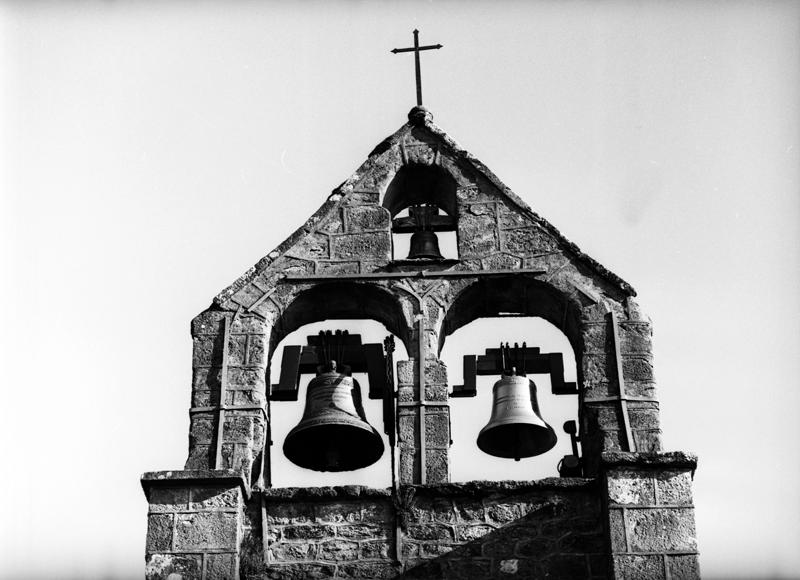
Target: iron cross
416, 48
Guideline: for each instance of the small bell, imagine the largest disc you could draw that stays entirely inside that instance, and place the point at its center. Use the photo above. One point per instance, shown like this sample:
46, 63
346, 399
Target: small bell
424, 243
516, 428
333, 434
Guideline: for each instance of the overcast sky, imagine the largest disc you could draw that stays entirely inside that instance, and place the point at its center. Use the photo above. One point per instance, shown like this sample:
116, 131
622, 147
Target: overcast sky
152, 152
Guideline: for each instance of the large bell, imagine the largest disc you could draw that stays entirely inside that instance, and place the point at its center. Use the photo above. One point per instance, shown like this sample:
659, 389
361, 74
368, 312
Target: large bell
333, 434
424, 244
516, 428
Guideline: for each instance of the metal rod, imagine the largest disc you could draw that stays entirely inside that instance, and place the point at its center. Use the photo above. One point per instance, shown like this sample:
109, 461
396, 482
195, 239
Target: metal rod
223, 387
414, 274
416, 67
623, 403
423, 468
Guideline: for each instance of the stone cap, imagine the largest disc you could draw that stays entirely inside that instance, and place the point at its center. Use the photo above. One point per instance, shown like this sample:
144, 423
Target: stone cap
670, 459
329, 492
486, 488
186, 477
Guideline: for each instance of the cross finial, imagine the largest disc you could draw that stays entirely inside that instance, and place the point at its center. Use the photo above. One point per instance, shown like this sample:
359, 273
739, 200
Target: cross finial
416, 49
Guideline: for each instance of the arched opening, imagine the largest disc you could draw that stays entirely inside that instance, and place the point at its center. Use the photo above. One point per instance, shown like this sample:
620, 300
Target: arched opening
422, 198
468, 415
358, 308
509, 309
286, 414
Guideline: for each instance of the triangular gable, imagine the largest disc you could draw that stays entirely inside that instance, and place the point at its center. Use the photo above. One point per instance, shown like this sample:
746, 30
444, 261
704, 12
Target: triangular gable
418, 141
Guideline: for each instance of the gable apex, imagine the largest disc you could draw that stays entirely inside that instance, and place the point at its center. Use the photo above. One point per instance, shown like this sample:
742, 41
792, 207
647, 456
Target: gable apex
369, 183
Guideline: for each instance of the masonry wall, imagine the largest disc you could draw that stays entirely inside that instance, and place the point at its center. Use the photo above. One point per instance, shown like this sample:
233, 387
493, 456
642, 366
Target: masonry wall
552, 528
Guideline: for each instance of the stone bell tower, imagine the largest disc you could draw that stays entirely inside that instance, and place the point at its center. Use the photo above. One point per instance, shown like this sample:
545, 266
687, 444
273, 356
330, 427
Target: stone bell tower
623, 509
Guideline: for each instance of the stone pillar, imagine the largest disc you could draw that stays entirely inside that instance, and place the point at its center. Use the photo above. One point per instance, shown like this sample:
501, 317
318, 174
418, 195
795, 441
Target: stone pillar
194, 524
228, 421
618, 395
423, 432
651, 515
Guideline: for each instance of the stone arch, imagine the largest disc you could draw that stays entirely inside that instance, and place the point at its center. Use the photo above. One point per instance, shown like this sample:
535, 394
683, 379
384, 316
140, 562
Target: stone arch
342, 300
520, 294
419, 183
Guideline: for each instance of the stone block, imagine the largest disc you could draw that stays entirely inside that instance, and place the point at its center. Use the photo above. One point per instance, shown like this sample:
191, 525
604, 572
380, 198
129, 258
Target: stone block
363, 246
159, 532
639, 567
361, 198
375, 550
501, 261
351, 267
596, 339
503, 513
470, 510
199, 455
643, 415
207, 351
435, 549
477, 235
208, 322
257, 351
206, 378
376, 513
407, 372
631, 487
684, 567
238, 428
338, 512
292, 551
468, 533
435, 372
635, 338
168, 499
300, 572
206, 498
471, 194
248, 325
511, 218
247, 295
437, 392
431, 531
662, 530
437, 429
526, 241
246, 377
312, 247
617, 531
366, 218
637, 368
172, 566
338, 550
236, 349
647, 440
308, 532
437, 466
221, 566
368, 570
289, 513
427, 509
201, 428
674, 487
572, 543
408, 465
206, 530
596, 368
360, 531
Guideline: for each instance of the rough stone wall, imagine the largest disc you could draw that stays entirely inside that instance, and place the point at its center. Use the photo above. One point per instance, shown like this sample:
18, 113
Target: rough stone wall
194, 525
552, 529
240, 398
651, 516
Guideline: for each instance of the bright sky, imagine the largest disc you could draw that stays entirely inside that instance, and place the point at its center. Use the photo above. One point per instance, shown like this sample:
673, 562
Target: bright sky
151, 153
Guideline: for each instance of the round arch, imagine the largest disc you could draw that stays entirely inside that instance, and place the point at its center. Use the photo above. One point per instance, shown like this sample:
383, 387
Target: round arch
517, 295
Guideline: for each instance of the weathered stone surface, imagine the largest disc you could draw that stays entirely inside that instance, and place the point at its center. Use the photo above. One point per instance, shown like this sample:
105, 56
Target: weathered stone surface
477, 235
367, 218
204, 498
169, 499
159, 532
661, 530
674, 487
338, 550
639, 567
617, 532
525, 241
221, 566
363, 246
629, 487
183, 566
205, 530
683, 567
308, 532
437, 429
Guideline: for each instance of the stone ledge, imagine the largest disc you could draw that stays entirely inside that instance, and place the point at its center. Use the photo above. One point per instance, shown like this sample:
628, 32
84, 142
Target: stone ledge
670, 459
329, 492
486, 488
187, 477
